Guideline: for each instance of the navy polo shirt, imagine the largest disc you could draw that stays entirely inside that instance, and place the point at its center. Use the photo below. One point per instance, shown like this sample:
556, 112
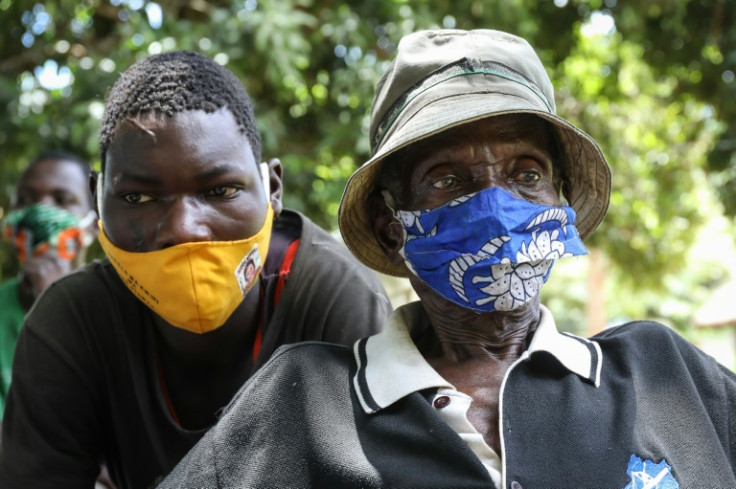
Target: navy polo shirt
634, 407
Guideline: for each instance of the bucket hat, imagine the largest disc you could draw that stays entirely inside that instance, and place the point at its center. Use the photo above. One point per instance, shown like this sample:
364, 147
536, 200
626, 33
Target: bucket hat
440, 79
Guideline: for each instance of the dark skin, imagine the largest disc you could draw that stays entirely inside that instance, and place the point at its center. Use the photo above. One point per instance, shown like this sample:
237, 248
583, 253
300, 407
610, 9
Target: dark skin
470, 350
62, 184
190, 178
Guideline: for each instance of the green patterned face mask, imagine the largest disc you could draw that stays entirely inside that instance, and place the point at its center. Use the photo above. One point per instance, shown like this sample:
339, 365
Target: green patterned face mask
39, 228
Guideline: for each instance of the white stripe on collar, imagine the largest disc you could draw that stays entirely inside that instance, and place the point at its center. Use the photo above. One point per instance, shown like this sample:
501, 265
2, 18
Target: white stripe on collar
578, 355
390, 366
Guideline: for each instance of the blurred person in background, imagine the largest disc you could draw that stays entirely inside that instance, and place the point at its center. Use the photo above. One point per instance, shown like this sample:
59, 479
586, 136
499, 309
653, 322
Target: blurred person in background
50, 225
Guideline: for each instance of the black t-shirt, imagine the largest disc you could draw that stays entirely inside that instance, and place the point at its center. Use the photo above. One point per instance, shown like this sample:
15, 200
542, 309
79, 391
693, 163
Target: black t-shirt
85, 388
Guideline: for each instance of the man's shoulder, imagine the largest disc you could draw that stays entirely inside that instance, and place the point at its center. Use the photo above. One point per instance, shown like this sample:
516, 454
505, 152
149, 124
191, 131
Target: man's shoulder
641, 336
309, 230
89, 278
317, 352
93, 288
13, 313
322, 253
306, 367
307, 358
8, 287
657, 346
311, 361
635, 331
323, 245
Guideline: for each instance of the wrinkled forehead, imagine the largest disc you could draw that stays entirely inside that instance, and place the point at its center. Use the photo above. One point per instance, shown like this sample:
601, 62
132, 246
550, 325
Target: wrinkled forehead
397, 169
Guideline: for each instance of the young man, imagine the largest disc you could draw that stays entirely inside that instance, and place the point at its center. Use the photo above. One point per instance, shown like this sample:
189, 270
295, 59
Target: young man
51, 224
131, 359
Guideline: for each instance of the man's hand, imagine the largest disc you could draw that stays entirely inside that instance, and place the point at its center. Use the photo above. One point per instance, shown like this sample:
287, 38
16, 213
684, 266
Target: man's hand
38, 272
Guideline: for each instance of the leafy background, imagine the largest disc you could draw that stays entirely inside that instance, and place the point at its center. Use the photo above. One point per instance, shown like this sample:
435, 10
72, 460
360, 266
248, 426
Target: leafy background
653, 82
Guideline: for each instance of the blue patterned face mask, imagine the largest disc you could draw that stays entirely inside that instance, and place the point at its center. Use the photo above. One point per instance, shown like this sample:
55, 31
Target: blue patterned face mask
487, 251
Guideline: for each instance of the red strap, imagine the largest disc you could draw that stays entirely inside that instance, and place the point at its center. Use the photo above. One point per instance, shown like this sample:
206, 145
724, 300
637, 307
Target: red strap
164, 391
283, 273
259, 331
285, 269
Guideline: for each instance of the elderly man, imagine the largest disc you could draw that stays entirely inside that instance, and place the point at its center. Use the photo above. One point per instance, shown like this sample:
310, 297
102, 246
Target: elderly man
474, 189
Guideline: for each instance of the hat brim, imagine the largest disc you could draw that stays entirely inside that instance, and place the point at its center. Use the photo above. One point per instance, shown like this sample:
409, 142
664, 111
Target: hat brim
585, 167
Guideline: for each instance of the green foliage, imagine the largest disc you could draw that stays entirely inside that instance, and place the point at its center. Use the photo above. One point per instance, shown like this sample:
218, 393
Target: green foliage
694, 44
656, 90
657, 142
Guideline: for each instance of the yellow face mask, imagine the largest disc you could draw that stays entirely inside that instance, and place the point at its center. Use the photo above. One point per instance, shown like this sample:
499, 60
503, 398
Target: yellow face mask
193, 286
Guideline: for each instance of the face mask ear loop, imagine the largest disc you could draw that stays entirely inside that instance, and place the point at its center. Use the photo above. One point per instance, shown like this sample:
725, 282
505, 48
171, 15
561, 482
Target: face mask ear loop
561, 193
98, 192
389, 201
88, 219
84, 223
265, 176
563, 200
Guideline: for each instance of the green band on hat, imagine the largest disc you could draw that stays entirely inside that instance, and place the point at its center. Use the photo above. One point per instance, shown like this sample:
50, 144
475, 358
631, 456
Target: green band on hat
462, 67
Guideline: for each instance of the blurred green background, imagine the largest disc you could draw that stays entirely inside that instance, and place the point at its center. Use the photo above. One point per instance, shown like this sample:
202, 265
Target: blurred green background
653, 82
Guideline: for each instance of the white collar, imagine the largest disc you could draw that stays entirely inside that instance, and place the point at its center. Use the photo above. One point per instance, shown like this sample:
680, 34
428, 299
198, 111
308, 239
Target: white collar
390, 366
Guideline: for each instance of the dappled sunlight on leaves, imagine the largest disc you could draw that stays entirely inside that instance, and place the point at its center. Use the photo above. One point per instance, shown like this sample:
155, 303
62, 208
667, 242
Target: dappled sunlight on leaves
648, 80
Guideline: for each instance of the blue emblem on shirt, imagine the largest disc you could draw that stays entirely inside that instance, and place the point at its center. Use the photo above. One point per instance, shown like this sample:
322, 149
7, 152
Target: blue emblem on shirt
646, 474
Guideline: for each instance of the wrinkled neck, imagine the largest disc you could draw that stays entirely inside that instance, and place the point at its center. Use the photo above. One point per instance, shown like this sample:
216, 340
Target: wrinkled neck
460, 334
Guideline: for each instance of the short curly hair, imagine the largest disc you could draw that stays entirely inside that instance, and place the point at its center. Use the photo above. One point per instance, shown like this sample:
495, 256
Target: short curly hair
170, 83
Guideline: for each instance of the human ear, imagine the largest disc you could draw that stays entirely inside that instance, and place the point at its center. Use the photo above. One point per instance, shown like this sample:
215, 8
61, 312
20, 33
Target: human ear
275, 172
564, 193
388, 231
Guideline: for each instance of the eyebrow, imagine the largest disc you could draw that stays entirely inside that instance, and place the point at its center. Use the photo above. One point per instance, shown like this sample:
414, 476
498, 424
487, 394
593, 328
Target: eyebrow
218, 171
206, 175
132, 177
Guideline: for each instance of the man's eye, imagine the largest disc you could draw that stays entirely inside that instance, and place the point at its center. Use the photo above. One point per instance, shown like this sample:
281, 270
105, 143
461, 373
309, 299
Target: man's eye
223, 191
63, 200
24, 202
445, 182
136, 198
528, 176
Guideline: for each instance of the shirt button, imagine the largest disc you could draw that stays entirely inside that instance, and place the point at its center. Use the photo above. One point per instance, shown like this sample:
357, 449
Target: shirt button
442, 401
515, 485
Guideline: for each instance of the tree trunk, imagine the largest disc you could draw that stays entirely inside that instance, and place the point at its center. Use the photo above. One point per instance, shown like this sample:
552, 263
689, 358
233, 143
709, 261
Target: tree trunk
596, 307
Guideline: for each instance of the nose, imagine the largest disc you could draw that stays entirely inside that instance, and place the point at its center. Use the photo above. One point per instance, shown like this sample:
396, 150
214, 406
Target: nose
46, 199
490, 176
184, 221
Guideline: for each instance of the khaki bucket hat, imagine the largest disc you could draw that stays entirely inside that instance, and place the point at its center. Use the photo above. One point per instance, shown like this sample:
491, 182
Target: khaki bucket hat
444, 78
